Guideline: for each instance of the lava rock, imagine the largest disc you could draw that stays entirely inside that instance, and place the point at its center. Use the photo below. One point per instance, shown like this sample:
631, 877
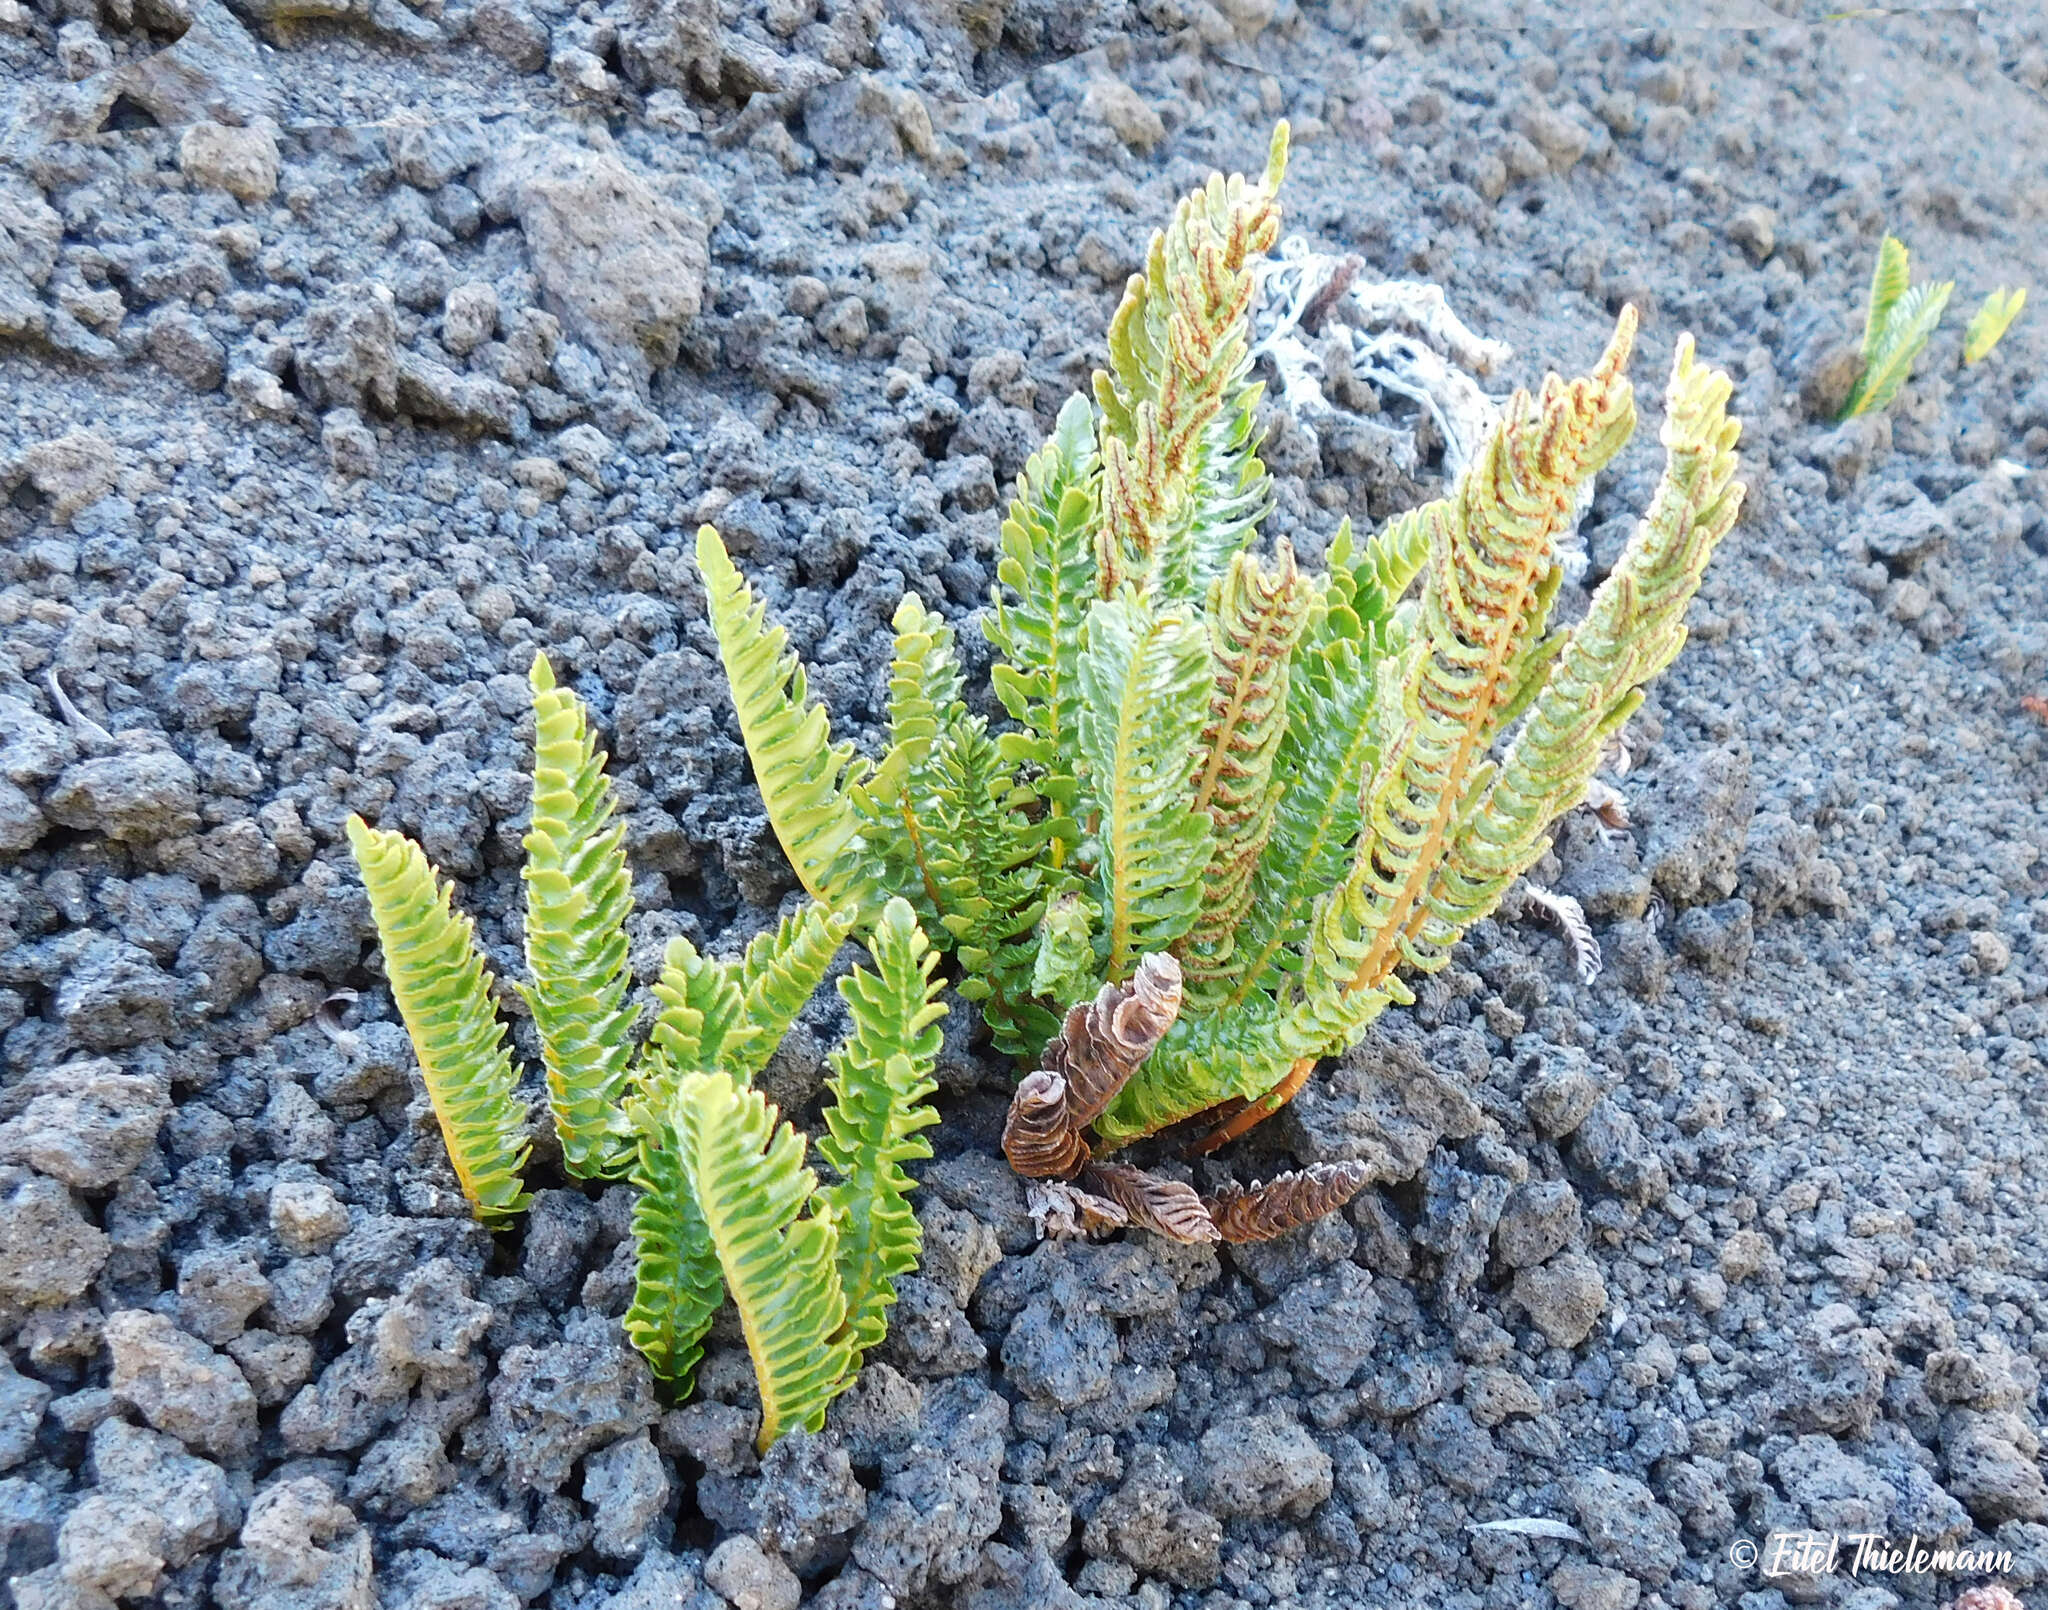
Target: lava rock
552, 1406
1264, 1465
181, 1386
626, 1487
1565, 1297
1148, 1523
136, 797
1540, 1218
1626, 1527
50, 1253
86, 1123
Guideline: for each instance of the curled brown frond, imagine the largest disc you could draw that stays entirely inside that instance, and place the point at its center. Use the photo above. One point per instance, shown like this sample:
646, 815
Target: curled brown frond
1062, 1210
1107, 1039
1243, 1213
1040, 1137
1151, 1203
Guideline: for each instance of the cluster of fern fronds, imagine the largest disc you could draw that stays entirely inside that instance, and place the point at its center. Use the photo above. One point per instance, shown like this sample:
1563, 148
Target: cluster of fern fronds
1290, 786
728, 1205
1900, 317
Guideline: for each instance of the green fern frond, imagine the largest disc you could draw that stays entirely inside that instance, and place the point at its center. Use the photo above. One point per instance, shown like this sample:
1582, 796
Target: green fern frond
578, 898
1326, 756
745, 1172
1913, 321
1065, 968
1254, 623
443, 991
782, 970
989, 881
1888, 284
1204, 1060
1144, 676
702, 1023
1634, 628
1179, 351
676, 1286
789, 740
924, 682
881, 1084
1990, 322
1047, 570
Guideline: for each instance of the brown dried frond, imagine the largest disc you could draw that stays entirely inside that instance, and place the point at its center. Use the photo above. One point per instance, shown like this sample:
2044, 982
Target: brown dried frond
1059, 1209
1106, 1040
1607, 802
1260, 1212
1153, 1203
1040, 1137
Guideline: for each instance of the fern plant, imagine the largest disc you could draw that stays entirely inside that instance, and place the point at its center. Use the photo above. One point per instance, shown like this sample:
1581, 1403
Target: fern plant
1896, 325
728, 1205
1241, 802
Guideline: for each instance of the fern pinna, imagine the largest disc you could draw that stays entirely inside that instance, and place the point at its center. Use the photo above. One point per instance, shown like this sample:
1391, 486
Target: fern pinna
728, 1207
1292, 789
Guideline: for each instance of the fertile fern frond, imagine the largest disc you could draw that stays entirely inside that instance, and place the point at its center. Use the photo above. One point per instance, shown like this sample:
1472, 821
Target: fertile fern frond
789, 740
1047, 570
1895, 329
1179, 350
1486, 573
1144, 678
578, 897
782, 969
1991, 320
702, 1021
676, 1286
443, 992
1634, 629
1253, 627
744, 1170
881, 1083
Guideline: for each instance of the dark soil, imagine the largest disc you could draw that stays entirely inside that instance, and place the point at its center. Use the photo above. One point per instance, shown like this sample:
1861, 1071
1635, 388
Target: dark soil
321, 417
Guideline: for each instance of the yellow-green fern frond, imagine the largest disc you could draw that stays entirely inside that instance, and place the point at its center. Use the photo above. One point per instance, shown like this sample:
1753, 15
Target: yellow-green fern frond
1145, 675
1485, 578
1254, 623
789, 740
701, 1023
1634, 628
782, 970
578, 897
676, 1284
1895, 329
1179, 351
745, 1171
1888, 285
443, 991
924, 682
1990, 322
881, 1084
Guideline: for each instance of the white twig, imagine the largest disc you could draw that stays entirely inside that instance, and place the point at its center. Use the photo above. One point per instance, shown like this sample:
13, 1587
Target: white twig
76, 719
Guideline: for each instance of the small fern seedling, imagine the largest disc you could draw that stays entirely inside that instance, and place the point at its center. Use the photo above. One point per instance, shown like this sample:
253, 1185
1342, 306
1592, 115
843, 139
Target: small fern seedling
1896, 325
1241, 803
1991, 320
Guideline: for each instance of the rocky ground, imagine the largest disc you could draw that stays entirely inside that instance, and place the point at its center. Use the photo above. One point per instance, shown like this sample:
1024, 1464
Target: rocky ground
353, 349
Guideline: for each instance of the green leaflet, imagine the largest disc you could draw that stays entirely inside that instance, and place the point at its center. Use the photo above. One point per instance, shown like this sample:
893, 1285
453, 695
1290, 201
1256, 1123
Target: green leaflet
676, 1286
443, 991
881, 1084
745, 1171
702, 1022
577, 901
789, 740
1144, 685
782, 970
